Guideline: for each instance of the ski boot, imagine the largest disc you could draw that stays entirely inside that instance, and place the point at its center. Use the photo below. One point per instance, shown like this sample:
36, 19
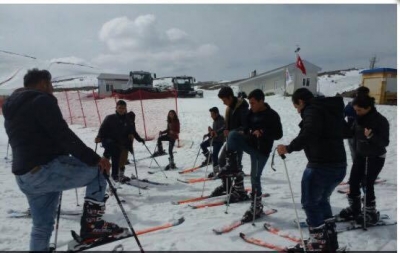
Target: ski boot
93, 226
256, 207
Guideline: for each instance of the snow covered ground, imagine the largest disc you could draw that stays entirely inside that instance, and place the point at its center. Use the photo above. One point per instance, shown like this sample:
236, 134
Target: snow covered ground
154, 206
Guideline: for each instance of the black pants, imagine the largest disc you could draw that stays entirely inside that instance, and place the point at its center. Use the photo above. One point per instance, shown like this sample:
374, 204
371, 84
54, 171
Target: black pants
111, 149
358, 179
171, 142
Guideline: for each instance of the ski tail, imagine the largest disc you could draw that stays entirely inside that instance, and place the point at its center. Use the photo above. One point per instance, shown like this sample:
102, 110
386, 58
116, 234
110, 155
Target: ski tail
189, 170
262, 243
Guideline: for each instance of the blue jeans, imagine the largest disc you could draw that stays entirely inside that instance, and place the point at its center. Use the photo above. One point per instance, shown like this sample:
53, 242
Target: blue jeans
43, 189
317, 186
237, 142
216, 147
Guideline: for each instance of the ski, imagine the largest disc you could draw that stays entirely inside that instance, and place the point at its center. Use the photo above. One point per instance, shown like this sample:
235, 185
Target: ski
278, 248
355, 226
345, 189
303, 223
278, 232
195, 180
189, 170
145, 180
262, 243
220, 203
201, 198
75, 245
26, 214
238, 223
136, 184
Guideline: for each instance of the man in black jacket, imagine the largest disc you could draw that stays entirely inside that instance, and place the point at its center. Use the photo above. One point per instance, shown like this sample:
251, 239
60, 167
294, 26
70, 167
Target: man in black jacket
321, 137
116, 134
371, 136
49, 158
262, 128
230, 162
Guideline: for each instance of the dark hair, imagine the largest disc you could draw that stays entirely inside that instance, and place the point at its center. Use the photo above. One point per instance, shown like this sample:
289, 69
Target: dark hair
35, 76
362, 91
121, 102
225, 92
302, 94
175, 116
364, 101
214, 110
257, 94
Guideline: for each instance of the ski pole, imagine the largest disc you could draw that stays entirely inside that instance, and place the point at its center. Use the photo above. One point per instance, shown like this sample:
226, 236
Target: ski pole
95, 149
123, 210
208, 161
365, 194
155, 161
255, 190
196, 157
159, 134
294, 205
76, 193
137, 176
8, 146
229, 195
53, 247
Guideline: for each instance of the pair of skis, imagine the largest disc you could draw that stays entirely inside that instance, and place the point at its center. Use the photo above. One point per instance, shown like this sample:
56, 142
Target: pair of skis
274, 230
78, 245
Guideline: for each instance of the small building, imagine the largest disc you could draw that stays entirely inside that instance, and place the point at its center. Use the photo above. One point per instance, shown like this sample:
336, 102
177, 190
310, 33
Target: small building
109, 82
276, 80
382, 84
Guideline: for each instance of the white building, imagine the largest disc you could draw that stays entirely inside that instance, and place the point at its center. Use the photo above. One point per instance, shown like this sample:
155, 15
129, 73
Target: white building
109, 82
275, 81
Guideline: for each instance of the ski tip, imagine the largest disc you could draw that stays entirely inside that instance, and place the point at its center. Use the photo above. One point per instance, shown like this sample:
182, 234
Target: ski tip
179, 221
175, 202
242, 235
217, 232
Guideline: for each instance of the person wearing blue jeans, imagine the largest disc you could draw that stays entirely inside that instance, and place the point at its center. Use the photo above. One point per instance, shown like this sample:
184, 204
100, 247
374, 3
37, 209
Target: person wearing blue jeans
49, 158
263, 126
216, 135
321, 136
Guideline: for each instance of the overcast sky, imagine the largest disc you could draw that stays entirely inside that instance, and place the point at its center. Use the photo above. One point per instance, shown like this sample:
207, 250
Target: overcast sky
209, 42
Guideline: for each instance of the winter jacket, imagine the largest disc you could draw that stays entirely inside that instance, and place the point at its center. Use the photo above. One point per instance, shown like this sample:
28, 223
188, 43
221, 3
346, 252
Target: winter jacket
175, 126
218, 127
321, 133
375, 145
116, 128
236, 114
269, 122
38, 133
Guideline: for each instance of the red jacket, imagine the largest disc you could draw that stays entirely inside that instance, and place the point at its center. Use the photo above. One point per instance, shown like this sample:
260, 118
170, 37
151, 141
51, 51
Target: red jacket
175, 127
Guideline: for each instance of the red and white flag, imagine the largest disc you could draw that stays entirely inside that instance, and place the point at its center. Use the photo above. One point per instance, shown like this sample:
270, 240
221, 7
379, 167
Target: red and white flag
300, 65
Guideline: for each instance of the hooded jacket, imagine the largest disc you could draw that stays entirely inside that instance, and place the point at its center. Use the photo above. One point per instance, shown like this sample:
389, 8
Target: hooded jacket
321, 133
38, 133
269, 122
236, 114
375, 145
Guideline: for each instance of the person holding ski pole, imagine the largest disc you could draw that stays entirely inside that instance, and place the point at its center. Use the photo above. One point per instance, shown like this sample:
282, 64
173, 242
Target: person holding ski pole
321, 137
215, 133
116, 134
48, 158
230, 163
262, 129
171, 134
371, 136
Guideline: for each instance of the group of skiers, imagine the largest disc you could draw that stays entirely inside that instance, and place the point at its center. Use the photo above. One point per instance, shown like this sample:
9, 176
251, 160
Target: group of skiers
49, 158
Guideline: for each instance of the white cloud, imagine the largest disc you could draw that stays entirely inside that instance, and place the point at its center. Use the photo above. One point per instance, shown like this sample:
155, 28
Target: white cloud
142, 44
175, 34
